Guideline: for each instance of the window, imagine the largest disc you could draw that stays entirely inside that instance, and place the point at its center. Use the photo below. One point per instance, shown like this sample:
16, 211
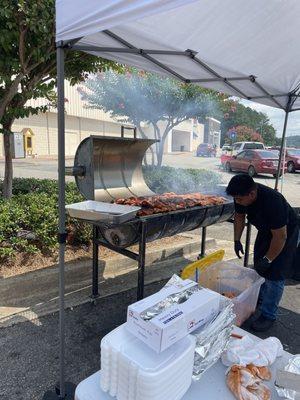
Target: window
237, 146
241, 155
249, 154
294, 153
254, 146
267, 154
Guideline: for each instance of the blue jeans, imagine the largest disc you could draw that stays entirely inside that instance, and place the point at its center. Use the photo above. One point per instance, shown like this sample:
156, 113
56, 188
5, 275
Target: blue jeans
269, 297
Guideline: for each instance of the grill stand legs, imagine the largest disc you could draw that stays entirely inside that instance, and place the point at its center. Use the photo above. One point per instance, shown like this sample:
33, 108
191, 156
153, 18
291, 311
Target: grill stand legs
203, 242
202, 251
140, 257
141, 261
95, 281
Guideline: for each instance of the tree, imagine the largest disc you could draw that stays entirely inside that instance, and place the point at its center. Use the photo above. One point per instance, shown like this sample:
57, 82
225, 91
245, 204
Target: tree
28, 65
240, 115
244, 134
293, 141
138, 97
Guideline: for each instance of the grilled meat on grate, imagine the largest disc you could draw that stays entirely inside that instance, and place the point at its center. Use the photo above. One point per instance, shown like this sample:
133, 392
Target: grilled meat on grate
170, 202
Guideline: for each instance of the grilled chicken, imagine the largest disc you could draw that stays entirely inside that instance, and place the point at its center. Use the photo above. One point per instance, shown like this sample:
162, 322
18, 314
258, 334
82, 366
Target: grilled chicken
170, 202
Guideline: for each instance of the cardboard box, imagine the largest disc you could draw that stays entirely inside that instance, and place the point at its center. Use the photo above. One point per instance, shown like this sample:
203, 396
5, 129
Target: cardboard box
176, 321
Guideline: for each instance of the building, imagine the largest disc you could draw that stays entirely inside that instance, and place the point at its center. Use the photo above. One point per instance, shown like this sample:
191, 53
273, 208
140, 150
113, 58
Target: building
40, 131
212, 131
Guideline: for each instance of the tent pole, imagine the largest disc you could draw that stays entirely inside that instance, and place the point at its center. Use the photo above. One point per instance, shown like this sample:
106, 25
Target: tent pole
283, 164
63, 390
281, 148
62, 219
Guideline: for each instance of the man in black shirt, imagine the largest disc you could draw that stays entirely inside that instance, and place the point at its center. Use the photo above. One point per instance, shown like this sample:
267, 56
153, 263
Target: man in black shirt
276, 241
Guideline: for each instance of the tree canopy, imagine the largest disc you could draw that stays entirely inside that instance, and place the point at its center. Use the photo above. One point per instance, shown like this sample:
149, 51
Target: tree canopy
243, 133
28, 64
240, 115
138, 97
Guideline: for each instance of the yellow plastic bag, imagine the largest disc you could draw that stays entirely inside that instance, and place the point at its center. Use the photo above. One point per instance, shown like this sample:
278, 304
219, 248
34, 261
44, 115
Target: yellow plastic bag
192, 271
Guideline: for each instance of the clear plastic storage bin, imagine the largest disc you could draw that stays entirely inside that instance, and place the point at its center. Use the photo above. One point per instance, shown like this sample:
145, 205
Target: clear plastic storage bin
244, 282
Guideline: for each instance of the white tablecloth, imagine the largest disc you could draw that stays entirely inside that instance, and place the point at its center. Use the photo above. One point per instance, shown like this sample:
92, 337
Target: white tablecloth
211, 386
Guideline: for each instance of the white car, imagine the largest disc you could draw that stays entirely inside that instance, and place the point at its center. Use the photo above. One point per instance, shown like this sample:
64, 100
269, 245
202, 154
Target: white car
240, 146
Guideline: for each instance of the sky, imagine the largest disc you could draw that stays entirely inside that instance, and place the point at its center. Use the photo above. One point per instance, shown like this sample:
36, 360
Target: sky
276, 117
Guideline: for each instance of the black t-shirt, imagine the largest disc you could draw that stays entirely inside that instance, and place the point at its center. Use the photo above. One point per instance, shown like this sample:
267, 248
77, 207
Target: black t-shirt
269, 211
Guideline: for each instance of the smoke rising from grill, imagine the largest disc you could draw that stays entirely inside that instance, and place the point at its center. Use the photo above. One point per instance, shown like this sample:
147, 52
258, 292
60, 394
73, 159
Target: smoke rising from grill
179, 180
155, 105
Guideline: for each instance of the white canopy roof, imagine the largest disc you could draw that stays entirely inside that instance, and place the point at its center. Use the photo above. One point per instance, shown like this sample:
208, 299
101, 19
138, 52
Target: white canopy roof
244, 48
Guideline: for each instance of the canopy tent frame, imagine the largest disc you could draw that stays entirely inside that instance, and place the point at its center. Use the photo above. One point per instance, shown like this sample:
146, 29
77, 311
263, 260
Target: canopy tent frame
61, 48
146, 53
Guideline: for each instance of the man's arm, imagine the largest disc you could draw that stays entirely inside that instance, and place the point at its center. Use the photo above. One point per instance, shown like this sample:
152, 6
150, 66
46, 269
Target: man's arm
277, 243
239, 225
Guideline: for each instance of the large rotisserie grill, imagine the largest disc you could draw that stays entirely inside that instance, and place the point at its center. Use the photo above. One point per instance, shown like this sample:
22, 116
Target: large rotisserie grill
109, 169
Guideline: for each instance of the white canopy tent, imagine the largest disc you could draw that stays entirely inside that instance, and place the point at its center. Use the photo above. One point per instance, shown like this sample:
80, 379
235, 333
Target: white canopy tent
243, 48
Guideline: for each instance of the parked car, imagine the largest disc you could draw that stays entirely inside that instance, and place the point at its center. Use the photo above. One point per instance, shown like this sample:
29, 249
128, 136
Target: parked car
254, 162
225, 157
226, 148
240, 146
206, 150
292, 158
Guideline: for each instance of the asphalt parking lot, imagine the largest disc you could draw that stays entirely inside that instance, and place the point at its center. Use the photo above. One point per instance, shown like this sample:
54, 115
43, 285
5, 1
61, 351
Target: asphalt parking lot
29, 351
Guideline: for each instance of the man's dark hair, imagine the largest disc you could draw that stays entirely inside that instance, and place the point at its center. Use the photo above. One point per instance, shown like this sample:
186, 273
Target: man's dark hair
241, 185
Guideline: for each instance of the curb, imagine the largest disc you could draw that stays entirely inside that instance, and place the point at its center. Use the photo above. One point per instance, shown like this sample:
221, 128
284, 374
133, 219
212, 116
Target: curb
35, 294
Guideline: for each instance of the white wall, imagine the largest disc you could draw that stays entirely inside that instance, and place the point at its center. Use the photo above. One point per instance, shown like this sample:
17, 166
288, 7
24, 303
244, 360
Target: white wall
44, 128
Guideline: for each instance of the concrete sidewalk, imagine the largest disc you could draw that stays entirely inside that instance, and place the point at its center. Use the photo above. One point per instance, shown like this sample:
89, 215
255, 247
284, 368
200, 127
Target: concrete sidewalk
35, 294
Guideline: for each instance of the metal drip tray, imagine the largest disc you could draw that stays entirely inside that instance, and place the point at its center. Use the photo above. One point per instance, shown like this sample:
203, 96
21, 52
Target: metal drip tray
97, 211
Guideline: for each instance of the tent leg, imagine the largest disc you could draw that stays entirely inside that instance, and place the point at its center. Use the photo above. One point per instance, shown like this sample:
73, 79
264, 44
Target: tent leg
62, 222
281, 149
60, 392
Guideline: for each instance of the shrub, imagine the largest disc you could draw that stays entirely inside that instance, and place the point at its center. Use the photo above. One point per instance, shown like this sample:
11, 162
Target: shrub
34, 208
30, 185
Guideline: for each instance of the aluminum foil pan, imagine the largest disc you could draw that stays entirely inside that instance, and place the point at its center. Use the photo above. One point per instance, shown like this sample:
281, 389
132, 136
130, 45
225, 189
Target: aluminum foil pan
212, 339
292, 366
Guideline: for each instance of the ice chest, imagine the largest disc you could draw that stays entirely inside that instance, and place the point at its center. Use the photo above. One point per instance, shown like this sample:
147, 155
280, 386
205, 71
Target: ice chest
176, 320
230, 277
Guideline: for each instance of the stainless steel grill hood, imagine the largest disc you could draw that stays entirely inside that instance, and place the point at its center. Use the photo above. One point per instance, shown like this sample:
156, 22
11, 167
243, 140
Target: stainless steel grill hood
106, 167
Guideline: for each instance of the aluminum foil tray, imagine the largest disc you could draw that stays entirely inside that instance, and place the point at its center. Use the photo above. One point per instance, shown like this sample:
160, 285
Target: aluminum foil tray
103, 212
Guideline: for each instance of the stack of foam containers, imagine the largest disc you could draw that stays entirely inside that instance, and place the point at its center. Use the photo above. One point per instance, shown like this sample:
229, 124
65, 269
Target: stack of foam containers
130, 370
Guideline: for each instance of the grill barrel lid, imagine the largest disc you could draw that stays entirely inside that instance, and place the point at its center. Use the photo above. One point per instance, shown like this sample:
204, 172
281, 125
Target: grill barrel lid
107, 168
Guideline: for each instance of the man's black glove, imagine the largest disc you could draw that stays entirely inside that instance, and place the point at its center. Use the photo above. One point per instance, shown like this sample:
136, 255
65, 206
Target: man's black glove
262, 266
238, 247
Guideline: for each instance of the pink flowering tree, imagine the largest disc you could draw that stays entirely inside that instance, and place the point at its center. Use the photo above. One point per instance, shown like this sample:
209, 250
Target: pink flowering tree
244, 133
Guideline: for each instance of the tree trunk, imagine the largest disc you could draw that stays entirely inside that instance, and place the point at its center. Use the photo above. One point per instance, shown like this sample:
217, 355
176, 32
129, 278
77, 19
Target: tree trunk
8, 174
160, 154
151, 149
